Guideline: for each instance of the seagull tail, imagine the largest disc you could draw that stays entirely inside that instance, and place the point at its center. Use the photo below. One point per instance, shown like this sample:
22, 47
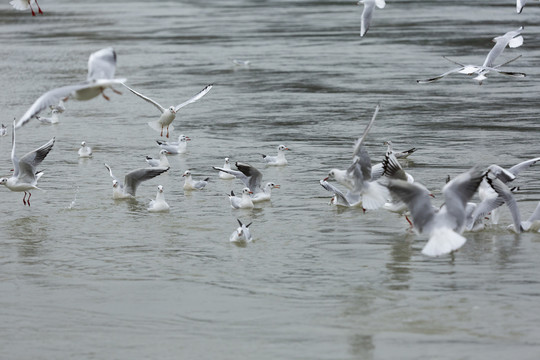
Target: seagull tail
443, 241
374, 196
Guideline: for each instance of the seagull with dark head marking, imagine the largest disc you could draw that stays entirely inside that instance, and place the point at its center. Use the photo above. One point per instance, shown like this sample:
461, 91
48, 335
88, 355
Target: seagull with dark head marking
132, 180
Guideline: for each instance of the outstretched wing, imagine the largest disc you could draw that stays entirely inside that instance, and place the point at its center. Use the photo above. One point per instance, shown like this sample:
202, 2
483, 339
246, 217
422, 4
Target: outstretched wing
145, 98
425, 81
416, 197
135, 177
102, 64
199, 95
29, 162
253, 175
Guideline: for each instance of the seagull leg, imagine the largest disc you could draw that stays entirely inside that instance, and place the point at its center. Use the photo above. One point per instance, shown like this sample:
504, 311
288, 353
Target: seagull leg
409, 221
23, 199
105, 96
116, 91
41, 12
161, 131
33, 13
167, 131
28, 200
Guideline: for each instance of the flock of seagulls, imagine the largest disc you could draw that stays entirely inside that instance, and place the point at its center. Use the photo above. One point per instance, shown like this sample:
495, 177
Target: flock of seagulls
384, 185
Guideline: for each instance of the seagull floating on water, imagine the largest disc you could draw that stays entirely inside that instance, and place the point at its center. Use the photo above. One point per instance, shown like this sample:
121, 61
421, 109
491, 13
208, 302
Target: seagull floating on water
101, 68
85, 151
24, 176
265, 194
132, 180
159, 204
243, 202
25, 5
224, 175
163, 161
169, 114
279, 159
241, 234
190, 184
367, 13
52, 120
175, 147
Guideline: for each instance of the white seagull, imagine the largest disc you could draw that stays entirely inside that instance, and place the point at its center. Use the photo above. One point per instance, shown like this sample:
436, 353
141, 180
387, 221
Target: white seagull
3, 130
52, 120
511, 39
248, 174
163, 161
175, 147
443, 225
520, 4
241, 234
190, 184
24, 176
399, 154
101, 68
159, 204
367, 14
279, 159
169, 114
132, 180
243, 202
25, 5
227, 166
85, 151
265, 194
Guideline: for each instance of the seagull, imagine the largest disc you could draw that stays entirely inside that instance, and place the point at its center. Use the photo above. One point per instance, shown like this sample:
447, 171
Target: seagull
227, 166
25, 4
339, 198
241, 234
52, 120
490, 199
163, 161
132, 181
175, 147
511, 39
520, 4
265, 194
3, 130
85, 151
367, 14
24, 176
159, 204
169, 114
240, 62
243, 202
400, 154
101, 68
443, 225
279, 159
249, 175
190, 184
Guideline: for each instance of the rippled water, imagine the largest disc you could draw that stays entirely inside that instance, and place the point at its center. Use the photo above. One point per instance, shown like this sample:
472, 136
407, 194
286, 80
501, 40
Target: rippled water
105, 279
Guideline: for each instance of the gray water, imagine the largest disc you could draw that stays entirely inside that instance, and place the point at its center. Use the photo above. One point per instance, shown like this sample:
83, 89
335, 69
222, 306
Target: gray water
87, 277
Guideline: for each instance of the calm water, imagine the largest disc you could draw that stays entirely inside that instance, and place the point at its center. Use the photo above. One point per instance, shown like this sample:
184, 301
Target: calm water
105, 279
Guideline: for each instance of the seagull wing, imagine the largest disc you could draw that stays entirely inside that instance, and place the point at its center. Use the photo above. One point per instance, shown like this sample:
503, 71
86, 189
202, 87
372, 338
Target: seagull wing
416, 197
134, 178
253, 175
458, 192
440, 76
145, 98
102, 64
360, 140
29, 162
199, 95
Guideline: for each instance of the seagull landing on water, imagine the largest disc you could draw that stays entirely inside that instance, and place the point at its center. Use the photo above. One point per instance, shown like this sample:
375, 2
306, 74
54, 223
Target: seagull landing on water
443, 225
101, 68
511, 39
25, 5
24, 176
169, 114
